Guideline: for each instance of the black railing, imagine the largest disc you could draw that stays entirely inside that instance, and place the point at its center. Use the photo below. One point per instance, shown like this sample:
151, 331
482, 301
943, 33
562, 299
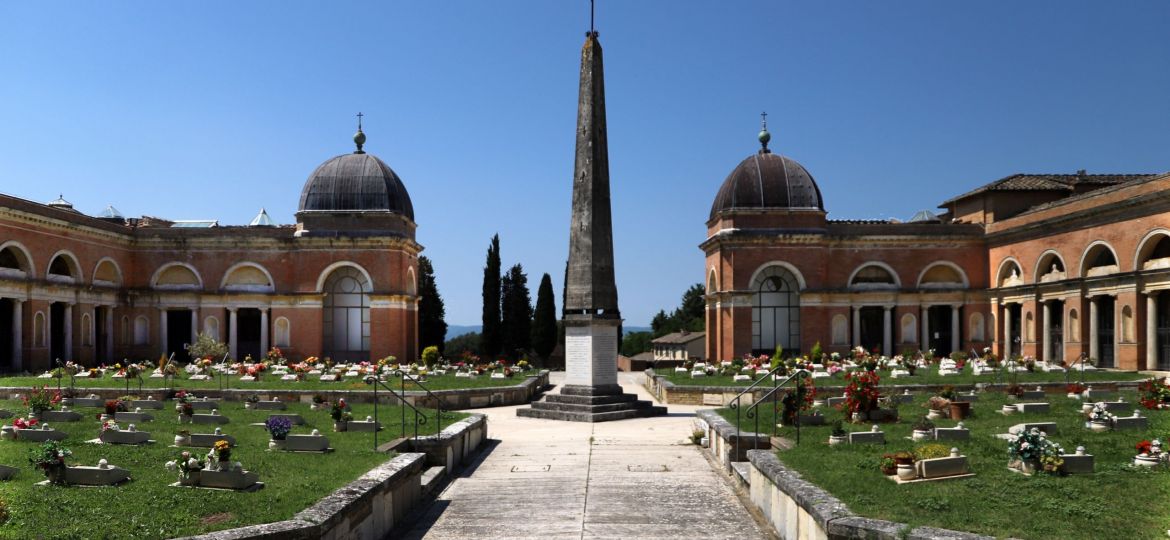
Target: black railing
400, 395
770, 397
752, 413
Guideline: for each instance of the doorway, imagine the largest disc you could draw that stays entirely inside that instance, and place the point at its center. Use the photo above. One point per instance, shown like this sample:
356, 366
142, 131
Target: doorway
1056, 332
57, 333
1163, 329
7, 360
178, 333
1106, 328
940, 325
248, 334
1016, 312
872, 329
101, 316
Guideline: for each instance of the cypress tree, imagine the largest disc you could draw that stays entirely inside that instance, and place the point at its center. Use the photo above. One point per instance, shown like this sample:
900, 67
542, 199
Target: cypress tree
432, 328
544, 322
517, 312
490, 338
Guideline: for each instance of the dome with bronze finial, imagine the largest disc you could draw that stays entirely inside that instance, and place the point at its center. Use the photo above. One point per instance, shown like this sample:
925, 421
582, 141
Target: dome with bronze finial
767, 181
356, 182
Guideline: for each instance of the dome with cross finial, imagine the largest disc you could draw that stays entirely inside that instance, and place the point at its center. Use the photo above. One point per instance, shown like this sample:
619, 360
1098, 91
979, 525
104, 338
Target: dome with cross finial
767, 181
356, 182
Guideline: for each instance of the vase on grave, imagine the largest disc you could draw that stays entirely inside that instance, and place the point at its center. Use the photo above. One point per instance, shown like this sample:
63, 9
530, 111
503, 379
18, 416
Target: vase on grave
920, 435
834, 440
276, 444
182, 440
1087, 408
340, 426
224, 465
55, 474
960, 410
1009, 409
104, 418
935, 414
1025, 466
1099, 427
190, 479
906, 471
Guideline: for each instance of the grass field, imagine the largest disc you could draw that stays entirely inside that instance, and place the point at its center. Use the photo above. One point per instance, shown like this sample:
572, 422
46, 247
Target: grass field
433, 382
1118, 501
923, 377
147, 507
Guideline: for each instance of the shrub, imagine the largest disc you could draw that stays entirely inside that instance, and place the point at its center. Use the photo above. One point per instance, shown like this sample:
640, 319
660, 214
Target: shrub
931, 451
430, 356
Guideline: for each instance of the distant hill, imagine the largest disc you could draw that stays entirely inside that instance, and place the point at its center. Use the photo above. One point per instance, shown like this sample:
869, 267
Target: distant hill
455, 330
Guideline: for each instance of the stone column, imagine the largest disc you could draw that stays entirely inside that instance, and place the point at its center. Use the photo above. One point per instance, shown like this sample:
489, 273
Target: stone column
925, 341
956, 329
68, 328
194, 324
162, 331
232, 327
856, 327
109, 334
1094, 328
1151, 332
17, 335
887, 331
1007, 331
1046, 318
263, 331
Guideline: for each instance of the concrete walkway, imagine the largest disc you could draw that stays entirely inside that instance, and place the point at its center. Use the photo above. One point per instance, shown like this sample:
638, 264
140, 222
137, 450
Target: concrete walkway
638, 478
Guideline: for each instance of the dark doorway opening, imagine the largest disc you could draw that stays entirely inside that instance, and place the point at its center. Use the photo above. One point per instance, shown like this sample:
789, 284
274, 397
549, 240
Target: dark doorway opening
872, 332
101, 316
178, 333
248, 334
1163, 328
1106, 328
1056, 332
6, 327
57, 333
1016, 311
940, 330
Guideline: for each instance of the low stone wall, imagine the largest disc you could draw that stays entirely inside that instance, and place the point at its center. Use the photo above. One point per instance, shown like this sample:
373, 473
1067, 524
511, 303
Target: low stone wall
796, 508
724, 444
523, 392
720, 396
373, 505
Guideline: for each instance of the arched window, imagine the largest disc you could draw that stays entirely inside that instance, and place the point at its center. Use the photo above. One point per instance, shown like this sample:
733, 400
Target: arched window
346, 315
141, 330
1154, 252
64, 267
283, 332
86, 330
211, 327
1098, 260
909, 328
942, 275
247, 277
39, 330
873, 276
107, 273
15, 262
775, 310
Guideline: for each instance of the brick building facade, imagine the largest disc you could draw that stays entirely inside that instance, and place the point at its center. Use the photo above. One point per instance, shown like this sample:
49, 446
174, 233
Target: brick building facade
1051, 266
339, 283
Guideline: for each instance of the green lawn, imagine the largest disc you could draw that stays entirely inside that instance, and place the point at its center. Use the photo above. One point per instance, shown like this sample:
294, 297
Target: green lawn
147, 507
923, 377
1118, 501
433, 382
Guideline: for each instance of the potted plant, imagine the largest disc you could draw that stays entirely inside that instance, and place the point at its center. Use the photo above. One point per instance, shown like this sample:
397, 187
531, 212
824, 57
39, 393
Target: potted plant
50, 458
937, 406
887, 465
838, 435
340, 415
1100, 419
861, 394
318, 402
40, 400
251, 400
904, 465
278, 428
1028, 449
186, 412
183, 438
188, 467
923, 429
1150, 453
222, 452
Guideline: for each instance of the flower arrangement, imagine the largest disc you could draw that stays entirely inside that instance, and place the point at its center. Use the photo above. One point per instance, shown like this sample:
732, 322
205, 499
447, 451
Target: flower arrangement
318, 399
861, 391
41, 399
50, 458
21, 423
887, 464
1154, 394
132, 371
798, 400
109, 425
1075, 388
339, 411
948, 393
1101, 415
1014, 389
1032, 446
275, 355
186, 465
222, 450
278, 427
938, 403
837, 430
113, 406
923, 424
252, 399
93, 373
931, 451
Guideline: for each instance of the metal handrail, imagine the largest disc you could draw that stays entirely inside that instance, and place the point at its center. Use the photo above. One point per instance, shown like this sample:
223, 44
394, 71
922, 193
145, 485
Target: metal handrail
734, 404
419, 417
799, 375
402, 376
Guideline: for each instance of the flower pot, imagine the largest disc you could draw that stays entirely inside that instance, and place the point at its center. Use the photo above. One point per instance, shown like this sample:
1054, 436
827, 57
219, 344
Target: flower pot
834, 440
890, 471
906, 471
935, 414
56, 474
182, 441
1146, 460
1027, 467
340, 426
276, 444
860, 417
960, 410
1099, 427
185, 418
1087, 408
1009, 409
920, 435
247, 404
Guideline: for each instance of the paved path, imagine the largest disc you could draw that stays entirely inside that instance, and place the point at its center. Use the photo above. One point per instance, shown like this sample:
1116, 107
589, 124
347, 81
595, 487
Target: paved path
636, 478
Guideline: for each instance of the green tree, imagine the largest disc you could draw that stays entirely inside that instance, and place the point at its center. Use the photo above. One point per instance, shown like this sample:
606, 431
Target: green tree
491, 339
516, 320
689, 315
458, 345
544, 322
432, 328
636, 343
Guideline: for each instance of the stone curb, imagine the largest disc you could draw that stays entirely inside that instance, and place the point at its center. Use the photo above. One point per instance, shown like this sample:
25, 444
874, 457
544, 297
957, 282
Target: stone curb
833, 516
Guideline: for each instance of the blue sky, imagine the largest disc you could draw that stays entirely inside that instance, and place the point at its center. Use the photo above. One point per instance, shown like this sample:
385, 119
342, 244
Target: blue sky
215, 109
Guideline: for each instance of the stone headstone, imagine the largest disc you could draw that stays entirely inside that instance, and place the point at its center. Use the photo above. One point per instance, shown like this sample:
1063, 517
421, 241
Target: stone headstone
6, 414
207, 440
40, 435
1131, 422
209, 419
146, 404
91, 401
233, 479
328, 378
200, 377
60, 416
1048, 428
7, 472
132, 417
941, 467
112, 436
1032, 407
904, 397
969, 397
306, 443
102, 475
952, 434
1079, 462
292, 417
203, 404
867, 437
1117, 406
834, 401
1031, 394
368, 425
274, 405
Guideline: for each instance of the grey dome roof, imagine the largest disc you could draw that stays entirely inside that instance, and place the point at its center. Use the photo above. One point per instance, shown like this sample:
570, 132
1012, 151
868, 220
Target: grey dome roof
355, 182
768, 181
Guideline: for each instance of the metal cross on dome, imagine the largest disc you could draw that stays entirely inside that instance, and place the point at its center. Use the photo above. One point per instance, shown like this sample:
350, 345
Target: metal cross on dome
359, 117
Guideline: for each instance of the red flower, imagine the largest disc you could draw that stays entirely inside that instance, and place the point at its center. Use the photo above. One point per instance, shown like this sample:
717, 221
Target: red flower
1144, 447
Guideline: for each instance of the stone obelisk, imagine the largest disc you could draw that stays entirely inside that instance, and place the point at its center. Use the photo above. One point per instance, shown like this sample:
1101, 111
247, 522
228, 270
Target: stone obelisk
591, 392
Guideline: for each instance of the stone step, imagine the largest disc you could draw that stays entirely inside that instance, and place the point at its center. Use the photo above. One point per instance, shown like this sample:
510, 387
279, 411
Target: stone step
432, 478
640, 412
580, 407
743, 472
590, 400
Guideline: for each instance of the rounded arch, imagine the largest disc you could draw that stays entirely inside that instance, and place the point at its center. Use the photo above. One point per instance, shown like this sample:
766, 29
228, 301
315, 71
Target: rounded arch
775, 309
977, 326
909, 328
211, 327
107, 271
936, 274
18, 257
1050, 262
341, 264
247, 276
345, 314
176, 275
282, 332
870, 275
411, 282
86, 330
63, 265
1153, 250
1099, 258
712, 281
1010, 273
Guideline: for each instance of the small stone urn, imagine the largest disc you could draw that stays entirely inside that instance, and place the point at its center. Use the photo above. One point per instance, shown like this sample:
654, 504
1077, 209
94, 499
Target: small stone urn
906, 471
1009, 409
276, 444
182, 440
1099, 427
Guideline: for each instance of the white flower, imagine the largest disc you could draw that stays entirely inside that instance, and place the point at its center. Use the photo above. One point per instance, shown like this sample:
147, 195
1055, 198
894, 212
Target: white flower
193, 463
171, 466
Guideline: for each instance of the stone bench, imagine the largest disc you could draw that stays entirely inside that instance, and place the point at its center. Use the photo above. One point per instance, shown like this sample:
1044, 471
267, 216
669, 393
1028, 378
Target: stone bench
60, 416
